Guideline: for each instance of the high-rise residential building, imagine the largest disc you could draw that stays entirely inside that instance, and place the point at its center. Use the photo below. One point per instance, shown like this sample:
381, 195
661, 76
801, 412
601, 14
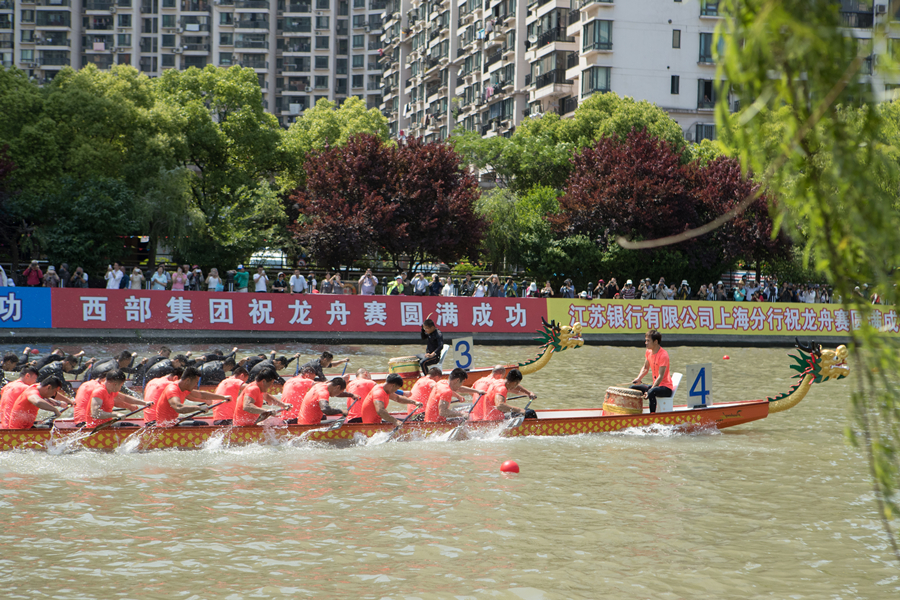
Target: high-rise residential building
486, 65
301, 50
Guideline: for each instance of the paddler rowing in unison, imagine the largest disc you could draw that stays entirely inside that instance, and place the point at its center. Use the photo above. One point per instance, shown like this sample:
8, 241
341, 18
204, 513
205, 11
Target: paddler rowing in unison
59, 369
153, 389
249, 405
172, 400
12, 391
361, 386
275, 364
493, 406
98, 401
35, 397
374, 407
498, 373
421, 389
315, 404
294, 391
230, 387
438, 407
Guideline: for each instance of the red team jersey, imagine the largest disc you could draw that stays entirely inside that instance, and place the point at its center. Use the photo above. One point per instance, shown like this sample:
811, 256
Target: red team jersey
293, 393
23, 412
241, 416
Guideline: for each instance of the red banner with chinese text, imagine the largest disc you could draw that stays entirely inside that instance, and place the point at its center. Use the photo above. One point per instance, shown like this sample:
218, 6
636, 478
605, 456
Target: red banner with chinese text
232, 311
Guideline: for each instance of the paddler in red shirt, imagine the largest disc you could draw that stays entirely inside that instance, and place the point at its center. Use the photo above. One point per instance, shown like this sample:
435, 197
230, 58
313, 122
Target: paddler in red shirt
656, 361
36, 396
438, 409
315, 403
493, 406
230, 387
294, 391
154, 388
105, 396
361, 386
12, 391
421, 390
374, 407
249, 405
498, 373
171, 401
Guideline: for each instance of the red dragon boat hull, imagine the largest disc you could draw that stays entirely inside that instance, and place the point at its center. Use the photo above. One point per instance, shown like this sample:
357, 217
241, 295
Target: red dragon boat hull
548, 423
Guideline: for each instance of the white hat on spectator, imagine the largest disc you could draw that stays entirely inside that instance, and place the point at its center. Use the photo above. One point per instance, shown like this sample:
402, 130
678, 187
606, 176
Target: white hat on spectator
684, 282
628, 282
719, 283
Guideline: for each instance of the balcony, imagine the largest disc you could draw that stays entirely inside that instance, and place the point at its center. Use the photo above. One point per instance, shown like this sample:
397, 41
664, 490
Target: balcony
572, 60
493, 58
195, 6
857, 20
557, 34
195, 47
251, 4
298, 48
253, 44
709, 8
568, 105
254, 64
574, 16
585, 3
298, 7
599, 46
54, 61
98, 4
550, 78
296, 67
251, 24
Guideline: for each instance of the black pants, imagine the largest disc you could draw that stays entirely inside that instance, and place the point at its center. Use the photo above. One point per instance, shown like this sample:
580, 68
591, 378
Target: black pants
652, 393
425, 363
221, 422
354, 420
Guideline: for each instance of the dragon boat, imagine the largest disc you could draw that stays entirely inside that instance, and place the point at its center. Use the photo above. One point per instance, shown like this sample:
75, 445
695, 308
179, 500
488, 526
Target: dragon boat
812, 363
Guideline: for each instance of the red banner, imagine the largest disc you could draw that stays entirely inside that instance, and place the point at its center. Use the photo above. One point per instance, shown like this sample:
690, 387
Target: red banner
232, 311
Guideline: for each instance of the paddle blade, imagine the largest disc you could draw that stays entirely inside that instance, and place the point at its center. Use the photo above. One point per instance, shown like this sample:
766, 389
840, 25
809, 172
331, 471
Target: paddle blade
515, 422
336, 425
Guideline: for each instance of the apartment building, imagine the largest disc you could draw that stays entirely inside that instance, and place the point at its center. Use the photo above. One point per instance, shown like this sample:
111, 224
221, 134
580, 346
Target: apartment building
485, 65
301, 50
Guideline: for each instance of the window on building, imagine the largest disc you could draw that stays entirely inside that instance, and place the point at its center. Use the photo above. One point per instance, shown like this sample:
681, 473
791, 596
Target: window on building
321, 82
705, 131
226, 59
595, 79
168, 4
123, 40
26, 55
706, 45
168, 61
359, 21
125, 21
322, 22
321, 62
323, 4
706, 93
709, 8
597, 35
226, 18
357, 81
676, 82
226, 39
341, 66
340, 85
359, 41
321, 42
358, 61
676, 38
27, 35
168, 40
27, 16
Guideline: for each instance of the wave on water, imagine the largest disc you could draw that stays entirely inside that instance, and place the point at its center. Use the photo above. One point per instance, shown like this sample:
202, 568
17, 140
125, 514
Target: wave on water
659, 430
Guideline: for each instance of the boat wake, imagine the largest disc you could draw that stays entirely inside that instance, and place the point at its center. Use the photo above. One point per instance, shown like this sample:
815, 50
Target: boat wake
659, 430
68, 443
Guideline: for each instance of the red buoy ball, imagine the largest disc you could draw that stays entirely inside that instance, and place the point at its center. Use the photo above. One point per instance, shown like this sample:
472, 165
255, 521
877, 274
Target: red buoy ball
726, 357
509, 466
35, 351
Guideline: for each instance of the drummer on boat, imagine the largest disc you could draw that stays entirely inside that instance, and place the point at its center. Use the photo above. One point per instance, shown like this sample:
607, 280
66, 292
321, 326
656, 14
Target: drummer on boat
656, 361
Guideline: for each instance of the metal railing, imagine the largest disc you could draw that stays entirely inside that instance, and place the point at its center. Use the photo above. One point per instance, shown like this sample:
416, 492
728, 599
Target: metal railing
551, 78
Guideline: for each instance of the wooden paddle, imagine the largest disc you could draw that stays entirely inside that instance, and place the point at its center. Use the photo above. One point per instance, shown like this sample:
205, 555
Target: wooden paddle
397, 428
201, 411
338, 423
50, 420
455, 433
103, 426
520, 418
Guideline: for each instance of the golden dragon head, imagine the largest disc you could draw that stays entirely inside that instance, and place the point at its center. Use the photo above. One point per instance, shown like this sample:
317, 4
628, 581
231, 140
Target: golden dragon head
561, 337
822, 364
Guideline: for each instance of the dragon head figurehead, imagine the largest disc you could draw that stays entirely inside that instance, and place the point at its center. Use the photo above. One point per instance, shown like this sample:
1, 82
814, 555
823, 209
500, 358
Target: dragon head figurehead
821, 364
560, 337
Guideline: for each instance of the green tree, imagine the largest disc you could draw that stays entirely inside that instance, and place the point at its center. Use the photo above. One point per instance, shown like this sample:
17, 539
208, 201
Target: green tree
540, 151
323, 126
216, 124
99, 213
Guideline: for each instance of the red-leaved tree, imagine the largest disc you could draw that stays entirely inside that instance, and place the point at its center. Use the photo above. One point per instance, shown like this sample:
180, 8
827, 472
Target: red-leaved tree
639, 188
411, 202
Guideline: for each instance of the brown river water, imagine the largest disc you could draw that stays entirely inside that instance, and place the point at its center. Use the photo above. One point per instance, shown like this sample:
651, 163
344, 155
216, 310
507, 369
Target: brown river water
779, 508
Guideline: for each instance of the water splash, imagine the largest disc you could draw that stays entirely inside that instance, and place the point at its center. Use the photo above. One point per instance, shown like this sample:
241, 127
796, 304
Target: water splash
66, 443
659, 430
219, 440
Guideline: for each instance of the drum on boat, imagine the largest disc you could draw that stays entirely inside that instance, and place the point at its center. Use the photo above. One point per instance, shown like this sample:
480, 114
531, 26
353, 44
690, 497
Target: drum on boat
623, 401
406, 367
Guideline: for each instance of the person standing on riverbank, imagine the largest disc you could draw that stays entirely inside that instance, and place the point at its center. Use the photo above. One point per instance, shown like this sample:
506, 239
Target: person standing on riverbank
656, 361
241, 279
